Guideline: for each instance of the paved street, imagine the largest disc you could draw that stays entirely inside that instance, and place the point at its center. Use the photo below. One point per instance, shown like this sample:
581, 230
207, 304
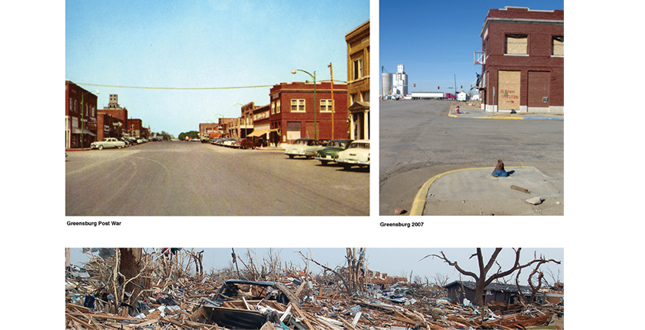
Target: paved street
188, 178
418, 141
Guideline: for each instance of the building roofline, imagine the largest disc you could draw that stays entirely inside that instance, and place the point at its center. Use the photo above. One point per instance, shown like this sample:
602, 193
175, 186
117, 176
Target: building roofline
356, 29
518, 20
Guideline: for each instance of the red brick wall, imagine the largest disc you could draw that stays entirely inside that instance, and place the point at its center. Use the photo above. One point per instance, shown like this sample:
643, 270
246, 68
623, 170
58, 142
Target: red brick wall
539, 48
300, 90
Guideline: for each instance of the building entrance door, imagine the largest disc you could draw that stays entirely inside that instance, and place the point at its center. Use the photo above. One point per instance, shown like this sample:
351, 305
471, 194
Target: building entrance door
509, 90
293, 131
539, 91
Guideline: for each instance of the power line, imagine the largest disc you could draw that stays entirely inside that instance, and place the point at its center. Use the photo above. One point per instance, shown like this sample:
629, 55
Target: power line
176, 88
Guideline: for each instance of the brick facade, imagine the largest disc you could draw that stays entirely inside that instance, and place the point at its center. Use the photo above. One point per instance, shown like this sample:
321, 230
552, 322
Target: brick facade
80, 116
108, 126
287, 125
523, 60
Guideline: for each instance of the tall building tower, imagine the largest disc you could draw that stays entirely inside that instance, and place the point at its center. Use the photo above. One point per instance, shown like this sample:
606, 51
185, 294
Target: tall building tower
400, 81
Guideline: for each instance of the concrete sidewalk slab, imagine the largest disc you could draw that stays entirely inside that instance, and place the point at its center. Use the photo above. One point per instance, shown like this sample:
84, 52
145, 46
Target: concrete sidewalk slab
474, 191
481, 114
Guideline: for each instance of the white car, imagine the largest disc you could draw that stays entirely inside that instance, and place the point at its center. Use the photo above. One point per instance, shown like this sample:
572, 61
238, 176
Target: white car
303, 147
358, 154
107, 143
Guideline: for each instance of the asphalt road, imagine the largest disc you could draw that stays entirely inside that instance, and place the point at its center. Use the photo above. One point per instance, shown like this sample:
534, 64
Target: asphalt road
185, 179
418, 141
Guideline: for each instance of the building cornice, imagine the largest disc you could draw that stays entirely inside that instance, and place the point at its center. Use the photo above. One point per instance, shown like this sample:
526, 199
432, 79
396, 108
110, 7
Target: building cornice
518, 20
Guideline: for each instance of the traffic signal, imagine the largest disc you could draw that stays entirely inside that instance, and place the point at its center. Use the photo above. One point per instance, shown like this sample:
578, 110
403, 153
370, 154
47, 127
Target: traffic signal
438, 87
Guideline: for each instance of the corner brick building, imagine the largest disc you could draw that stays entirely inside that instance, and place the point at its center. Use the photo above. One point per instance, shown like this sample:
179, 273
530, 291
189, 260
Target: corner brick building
522, 60
292, 112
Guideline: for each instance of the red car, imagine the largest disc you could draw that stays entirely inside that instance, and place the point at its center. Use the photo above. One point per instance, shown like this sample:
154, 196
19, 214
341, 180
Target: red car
246, 143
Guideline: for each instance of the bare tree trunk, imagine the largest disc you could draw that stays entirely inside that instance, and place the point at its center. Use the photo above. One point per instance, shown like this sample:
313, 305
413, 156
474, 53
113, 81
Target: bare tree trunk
482, 279
131, 267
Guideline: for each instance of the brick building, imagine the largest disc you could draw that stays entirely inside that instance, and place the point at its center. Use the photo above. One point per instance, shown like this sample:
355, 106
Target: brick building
522, 60
243, 126
210, 129
135, 128
80, 116
261, 122
358, 81
114, 110
292, 112
108, 126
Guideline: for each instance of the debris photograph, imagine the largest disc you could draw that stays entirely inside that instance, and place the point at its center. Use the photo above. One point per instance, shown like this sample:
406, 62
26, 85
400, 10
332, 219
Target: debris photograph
310, 289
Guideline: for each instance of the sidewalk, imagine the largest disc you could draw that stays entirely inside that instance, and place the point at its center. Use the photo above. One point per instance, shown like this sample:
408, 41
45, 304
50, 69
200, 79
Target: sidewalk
474, 191
469, 112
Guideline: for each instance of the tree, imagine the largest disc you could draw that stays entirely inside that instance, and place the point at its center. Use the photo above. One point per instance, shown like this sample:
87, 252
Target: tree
482, 278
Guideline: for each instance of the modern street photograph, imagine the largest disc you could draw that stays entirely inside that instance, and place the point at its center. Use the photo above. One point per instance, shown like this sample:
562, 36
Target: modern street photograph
217, 108
471, 112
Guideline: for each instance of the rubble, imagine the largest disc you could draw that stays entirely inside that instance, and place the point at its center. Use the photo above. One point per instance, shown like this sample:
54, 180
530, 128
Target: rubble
291, 299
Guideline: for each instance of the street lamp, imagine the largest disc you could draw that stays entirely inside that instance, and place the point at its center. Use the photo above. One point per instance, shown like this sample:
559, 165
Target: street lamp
82, 115
315, 104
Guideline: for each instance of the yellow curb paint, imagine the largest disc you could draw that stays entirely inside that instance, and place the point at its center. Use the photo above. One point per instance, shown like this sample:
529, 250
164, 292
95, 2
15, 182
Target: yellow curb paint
419, 203
516, 118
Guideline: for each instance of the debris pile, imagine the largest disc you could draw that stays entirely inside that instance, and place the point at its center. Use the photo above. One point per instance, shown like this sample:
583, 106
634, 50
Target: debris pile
167, 296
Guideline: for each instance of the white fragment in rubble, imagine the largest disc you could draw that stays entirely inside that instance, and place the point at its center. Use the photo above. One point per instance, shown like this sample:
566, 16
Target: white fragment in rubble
535, 200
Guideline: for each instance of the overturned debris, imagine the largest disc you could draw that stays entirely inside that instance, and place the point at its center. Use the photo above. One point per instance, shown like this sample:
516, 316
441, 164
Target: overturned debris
293, 299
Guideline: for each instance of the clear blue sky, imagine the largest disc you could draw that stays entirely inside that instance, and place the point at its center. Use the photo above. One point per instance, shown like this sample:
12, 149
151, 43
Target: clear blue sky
436, 40
394, 261
198, 44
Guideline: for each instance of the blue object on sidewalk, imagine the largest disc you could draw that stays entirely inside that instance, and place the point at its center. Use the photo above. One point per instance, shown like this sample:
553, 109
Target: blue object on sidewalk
502, 173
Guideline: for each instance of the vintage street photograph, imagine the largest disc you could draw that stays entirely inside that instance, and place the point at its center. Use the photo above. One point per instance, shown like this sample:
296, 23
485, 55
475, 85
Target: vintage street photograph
314, 288
472, 108
217, 108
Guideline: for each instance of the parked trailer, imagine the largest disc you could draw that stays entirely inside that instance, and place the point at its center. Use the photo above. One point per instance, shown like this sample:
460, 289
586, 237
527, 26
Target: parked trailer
428, 95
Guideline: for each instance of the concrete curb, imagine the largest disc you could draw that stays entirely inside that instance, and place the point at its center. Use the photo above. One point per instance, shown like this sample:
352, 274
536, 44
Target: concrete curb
419, 203
492, 116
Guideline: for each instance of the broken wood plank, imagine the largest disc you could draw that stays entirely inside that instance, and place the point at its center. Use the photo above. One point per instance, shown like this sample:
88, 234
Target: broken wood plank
524, 190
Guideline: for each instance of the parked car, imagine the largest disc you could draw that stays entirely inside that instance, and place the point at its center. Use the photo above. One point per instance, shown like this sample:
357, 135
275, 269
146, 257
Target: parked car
331, 150
107, 143
358, 154
247, 143
303, 147
229, 142
221, 141
126, 141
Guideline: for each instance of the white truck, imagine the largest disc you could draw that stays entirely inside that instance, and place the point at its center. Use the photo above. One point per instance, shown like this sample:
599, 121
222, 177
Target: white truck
107, 143
427, 95
462, 97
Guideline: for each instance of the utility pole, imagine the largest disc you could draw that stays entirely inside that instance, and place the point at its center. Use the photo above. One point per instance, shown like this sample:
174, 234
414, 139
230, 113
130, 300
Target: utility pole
331, 71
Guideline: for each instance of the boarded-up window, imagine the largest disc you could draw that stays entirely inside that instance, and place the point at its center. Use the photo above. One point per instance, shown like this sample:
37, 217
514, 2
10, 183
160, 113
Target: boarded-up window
517, 44
558, 46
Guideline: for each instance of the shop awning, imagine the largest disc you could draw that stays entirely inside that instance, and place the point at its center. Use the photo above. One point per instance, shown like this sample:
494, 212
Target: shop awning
258, 132
76, 130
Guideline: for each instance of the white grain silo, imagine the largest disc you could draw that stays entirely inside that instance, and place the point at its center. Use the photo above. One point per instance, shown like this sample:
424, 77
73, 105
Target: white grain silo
400, 81
386, 79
